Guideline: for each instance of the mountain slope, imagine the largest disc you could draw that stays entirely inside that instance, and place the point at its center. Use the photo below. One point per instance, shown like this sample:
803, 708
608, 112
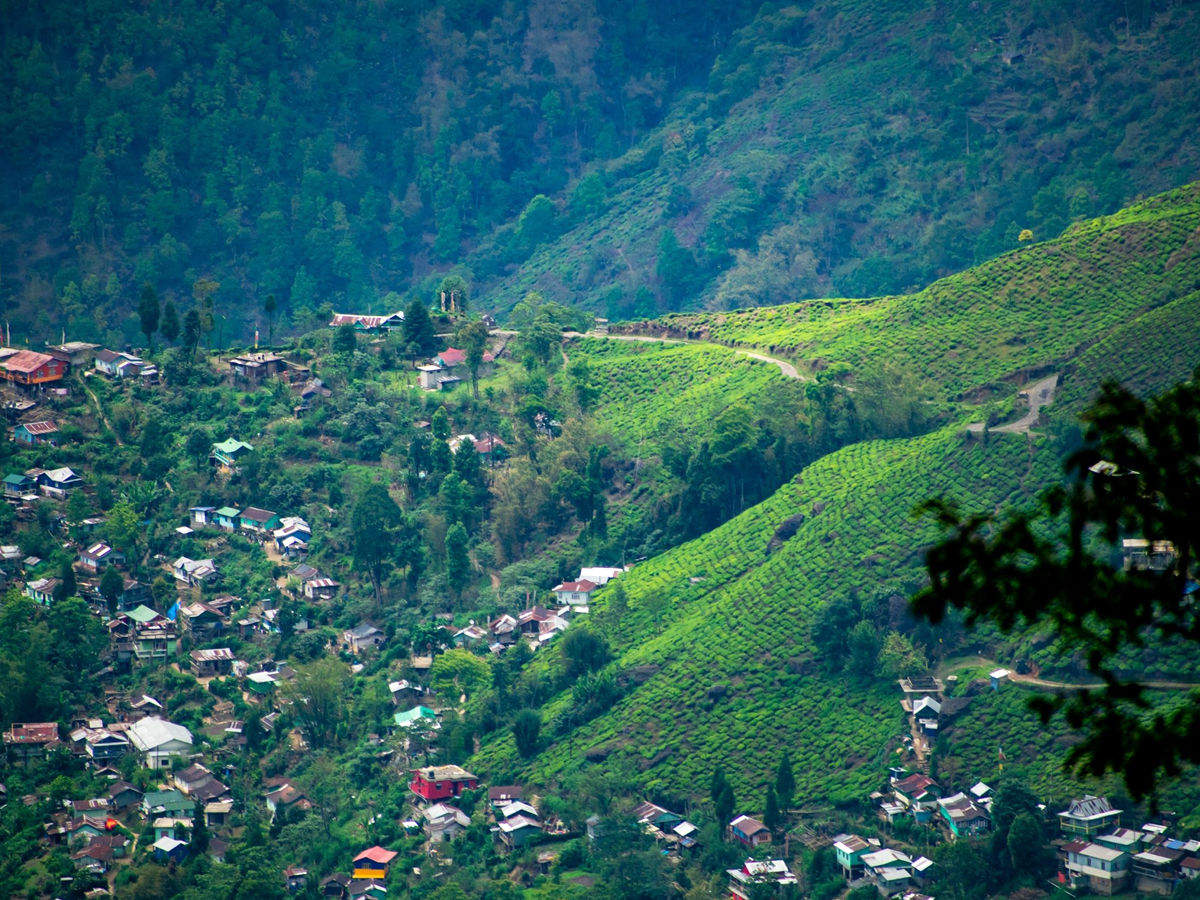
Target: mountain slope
718, 638
857, 149
997, 319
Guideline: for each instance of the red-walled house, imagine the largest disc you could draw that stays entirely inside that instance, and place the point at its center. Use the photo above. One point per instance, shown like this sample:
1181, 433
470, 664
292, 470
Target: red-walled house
435, 783
29, 367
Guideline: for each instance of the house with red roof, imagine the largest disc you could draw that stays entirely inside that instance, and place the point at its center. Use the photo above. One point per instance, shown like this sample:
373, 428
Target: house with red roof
373, 863
574, 593
433, 783
450, 357
30, 740
29, 368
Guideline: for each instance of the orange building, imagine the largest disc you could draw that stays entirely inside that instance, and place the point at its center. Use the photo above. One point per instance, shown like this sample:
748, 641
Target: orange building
29, 367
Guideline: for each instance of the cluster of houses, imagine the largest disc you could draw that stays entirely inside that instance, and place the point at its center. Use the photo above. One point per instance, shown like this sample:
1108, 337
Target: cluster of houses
893, 872
125, 367
1104, 858
32, 484
538, 625
290, 534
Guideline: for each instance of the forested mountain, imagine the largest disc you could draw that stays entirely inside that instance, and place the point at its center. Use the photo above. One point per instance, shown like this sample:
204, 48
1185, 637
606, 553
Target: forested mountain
323, 152
634, 158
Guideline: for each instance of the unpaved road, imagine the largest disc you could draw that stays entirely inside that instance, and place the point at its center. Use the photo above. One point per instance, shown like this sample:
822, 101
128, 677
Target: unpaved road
1039, 394
788, 370
1034, 681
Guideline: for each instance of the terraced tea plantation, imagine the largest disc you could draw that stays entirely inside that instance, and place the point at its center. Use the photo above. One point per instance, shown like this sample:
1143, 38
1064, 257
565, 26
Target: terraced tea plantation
718, 630
724, 624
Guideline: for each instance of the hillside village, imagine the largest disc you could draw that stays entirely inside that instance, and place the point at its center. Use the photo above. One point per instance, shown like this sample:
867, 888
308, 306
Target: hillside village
192, 679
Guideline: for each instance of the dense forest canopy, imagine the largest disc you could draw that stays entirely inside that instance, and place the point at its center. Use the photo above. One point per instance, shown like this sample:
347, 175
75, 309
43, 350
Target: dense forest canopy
320, 152
633, 158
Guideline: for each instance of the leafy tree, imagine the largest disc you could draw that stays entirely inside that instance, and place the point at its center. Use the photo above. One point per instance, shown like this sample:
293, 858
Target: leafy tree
830, 632
526, 727
66, 581
124, 527
149, 313
1053, 565
898, 658
345, 340
419, 335
459, 672
536, 222
372, 522
77, 639
458, 563
439, 425
191, 332
111, 586
964, 873
785, 781
863, 647
617, 605
582, 651
1013, 798
1027, 851
198, 444
325, 783
203, 290
454, 294
317, 696
473, 338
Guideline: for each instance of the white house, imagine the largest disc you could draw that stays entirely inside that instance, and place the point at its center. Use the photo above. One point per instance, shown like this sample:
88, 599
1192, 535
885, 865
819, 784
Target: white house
574, 593
194, 571
599, 575
159, 740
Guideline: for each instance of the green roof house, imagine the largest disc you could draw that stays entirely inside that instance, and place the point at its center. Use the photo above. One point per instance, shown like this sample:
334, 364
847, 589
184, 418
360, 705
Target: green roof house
227, 517
229, 453
411, 717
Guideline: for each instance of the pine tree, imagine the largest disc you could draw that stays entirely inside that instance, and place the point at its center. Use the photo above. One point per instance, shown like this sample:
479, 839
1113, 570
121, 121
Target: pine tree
458, 563
149, 312
420, 338
785, 782
111, 586
169, 327
772, 818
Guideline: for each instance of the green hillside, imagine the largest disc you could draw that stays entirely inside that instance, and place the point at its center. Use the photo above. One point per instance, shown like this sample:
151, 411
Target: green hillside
725, 623
716, 637
997, 320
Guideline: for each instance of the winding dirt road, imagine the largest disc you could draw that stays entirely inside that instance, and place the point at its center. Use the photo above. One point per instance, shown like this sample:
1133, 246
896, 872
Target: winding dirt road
1039, 394
1034, 681
788, 370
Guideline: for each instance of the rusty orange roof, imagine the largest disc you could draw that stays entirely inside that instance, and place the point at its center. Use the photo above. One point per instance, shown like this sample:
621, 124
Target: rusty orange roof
26, 361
